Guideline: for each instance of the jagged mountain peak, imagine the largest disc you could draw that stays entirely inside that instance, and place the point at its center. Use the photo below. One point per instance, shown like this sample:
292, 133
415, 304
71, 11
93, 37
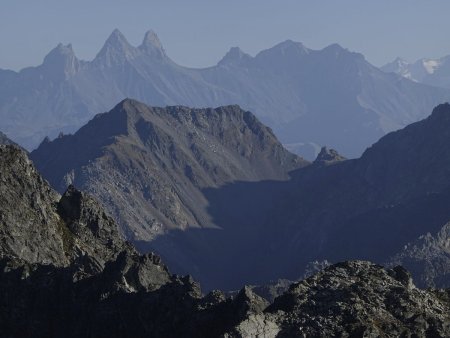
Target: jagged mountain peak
287, 47
400, 60
61, 61
234, 56
152, 46
152, 39
328, 156
62, 49
116, 50
116, 37
336, 50
441, 113
335, 47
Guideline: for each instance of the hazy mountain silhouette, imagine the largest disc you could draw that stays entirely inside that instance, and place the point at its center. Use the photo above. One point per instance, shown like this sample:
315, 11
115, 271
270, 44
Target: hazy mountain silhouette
434, 72
310, 98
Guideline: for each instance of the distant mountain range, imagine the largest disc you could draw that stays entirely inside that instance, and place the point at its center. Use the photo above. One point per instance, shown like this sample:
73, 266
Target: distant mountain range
308, 97
434, 72
214, 192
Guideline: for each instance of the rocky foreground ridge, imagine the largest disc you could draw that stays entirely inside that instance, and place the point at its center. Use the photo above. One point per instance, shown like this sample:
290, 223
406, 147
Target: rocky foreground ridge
65, 271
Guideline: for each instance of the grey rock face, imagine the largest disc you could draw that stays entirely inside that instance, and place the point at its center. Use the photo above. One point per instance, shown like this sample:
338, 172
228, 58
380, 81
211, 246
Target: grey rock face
40, 226
428, 258
360, 299
97, 285
328, 156
284, 86
207, 185
348, 299
30, 228
150, 167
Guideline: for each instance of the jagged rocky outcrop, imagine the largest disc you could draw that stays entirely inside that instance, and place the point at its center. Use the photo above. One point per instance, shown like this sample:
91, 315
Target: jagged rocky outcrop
284, 86
95, 284
61, 254
428, 258
328, 156
352, 299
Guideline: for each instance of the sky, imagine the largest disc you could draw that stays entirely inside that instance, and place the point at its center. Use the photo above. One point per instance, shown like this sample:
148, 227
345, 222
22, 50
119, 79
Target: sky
198, 33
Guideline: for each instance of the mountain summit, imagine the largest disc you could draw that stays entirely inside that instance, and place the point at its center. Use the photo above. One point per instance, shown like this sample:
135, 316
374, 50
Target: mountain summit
312, 97
116, 50
434, 72
152, 45
235, 56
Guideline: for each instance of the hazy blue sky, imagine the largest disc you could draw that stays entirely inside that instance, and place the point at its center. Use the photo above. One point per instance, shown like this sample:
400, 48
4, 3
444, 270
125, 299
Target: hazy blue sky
199, 32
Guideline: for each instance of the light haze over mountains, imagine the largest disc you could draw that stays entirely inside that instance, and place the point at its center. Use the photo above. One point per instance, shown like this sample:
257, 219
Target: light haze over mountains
434, 72
310, 98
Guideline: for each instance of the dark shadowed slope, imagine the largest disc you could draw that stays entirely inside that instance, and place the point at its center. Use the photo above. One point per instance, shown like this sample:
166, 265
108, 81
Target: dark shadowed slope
64, 271
214, 199
149, 165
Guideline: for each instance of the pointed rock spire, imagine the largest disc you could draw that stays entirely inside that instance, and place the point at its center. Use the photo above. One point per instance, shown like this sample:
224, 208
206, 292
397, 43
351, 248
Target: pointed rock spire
234, 56
61, 62
152, 46
116, 50
328, 156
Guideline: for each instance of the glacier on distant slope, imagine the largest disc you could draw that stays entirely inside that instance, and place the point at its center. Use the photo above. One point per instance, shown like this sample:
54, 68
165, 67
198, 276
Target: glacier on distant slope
433, 72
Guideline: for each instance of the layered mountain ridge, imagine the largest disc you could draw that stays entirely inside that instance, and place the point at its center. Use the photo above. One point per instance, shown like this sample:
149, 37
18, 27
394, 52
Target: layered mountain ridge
284, 86
331, 210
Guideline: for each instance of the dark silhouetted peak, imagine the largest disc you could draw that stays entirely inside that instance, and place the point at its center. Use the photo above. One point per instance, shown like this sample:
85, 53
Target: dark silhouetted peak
61, 62
235, 56
116, 50
338, 51
334, 47
441, 113
247, 302
328, 156
45, 141
284, 48
290, 45
287, 54
152, 45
